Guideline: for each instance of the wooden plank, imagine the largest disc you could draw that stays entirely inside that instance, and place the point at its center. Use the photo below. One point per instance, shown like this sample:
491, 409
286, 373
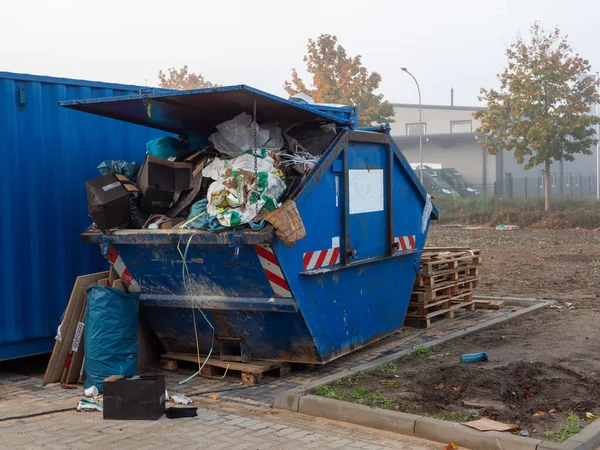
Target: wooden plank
168, 364
112, 276
118, 284
461, 270
253, 367
423, 295
489, 304
446, 249
74, 343
466, 304
422, 308
490, 425
77, 361
430, 267
68, 326
439, 277
428, 305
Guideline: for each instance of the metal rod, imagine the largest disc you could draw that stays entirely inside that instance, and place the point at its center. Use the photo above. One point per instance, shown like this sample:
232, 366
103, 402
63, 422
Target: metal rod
404, 69
598, 143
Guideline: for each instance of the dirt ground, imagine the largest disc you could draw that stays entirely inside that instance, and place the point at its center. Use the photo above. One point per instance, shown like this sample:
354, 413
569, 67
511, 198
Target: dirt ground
542, 367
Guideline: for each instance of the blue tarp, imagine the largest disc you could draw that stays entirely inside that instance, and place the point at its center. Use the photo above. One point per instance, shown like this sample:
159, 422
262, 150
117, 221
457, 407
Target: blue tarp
110, 336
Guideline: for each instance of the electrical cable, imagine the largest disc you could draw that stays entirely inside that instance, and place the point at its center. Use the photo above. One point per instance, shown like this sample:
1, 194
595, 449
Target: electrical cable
186, 278
43, 413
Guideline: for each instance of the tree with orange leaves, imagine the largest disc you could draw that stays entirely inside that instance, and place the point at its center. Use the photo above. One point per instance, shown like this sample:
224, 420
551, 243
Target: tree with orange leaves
339, 78
541, 112
182, 79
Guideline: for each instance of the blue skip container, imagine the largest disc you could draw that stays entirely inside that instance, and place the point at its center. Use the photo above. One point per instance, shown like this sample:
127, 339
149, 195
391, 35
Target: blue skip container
346, 285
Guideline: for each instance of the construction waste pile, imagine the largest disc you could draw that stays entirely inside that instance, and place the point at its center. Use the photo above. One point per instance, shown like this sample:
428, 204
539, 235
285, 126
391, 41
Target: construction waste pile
229, 179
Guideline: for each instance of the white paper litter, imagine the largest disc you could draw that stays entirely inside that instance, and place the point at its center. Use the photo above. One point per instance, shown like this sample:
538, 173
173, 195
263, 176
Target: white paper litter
181, 399
88, 405
426, 214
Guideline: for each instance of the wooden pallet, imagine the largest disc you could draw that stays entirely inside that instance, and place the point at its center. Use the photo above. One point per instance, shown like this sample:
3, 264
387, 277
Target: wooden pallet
444, 276
425, 295
448, 249
251, 373
447, 312
422, 308
431, 267
432, 263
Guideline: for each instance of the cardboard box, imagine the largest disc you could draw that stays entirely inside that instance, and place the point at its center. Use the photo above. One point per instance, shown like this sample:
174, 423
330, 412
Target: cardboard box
108, 199
137, 398
160, 181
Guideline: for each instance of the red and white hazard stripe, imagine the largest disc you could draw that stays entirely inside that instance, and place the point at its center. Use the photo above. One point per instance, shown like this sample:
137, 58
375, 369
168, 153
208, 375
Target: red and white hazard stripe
405, 243
124, 274
270, 265
321, 258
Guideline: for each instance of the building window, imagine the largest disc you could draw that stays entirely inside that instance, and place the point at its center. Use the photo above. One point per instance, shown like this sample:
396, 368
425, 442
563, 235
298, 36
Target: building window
567, 179
412, 129
591, 180
461, 126
541, 179
553, 179
577, 179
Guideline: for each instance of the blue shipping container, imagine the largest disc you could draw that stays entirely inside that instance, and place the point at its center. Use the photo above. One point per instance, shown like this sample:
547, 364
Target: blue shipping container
48, 153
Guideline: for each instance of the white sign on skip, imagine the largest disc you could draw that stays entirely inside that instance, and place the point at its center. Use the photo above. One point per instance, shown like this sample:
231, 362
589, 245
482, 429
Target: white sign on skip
366, 190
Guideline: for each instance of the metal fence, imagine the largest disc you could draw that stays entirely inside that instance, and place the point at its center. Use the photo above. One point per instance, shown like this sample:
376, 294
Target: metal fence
569, 185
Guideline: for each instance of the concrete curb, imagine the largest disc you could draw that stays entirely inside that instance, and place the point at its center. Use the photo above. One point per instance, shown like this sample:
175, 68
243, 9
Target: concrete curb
290, 399
515, 301
439, 430
588, 438
381, 419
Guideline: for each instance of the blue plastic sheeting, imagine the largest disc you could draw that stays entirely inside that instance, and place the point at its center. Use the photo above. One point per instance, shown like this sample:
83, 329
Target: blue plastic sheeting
48, 153
110, 334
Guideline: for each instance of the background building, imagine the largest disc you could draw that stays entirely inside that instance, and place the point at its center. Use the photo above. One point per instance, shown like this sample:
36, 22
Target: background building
450, 139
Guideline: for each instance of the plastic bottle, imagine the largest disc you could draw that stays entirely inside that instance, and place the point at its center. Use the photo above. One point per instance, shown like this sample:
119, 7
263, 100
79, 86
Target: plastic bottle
470, 358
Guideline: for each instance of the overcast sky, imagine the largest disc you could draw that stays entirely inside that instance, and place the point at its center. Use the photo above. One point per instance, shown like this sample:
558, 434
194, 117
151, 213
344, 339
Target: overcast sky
458, 43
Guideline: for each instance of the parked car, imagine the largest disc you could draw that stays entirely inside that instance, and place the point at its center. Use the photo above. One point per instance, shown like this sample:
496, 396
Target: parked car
435, 185
456, 180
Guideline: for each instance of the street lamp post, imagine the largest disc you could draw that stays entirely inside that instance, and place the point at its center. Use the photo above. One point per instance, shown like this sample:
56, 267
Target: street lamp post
404, 69
598, 143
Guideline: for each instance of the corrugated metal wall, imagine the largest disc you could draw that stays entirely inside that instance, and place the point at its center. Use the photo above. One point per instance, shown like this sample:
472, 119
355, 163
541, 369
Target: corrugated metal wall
46, 155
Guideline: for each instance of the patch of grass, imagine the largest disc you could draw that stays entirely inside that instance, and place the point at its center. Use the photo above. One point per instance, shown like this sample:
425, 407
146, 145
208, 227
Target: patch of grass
325, 391
392, 384
422, 351
571, 428
596, 263
378, 399
358, 393
387, 368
